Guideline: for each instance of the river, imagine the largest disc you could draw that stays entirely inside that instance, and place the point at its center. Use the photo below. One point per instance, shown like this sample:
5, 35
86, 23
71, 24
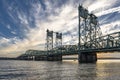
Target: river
65, 70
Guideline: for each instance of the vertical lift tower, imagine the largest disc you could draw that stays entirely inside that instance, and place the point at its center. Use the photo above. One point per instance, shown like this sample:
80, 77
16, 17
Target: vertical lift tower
54, 52
88, 32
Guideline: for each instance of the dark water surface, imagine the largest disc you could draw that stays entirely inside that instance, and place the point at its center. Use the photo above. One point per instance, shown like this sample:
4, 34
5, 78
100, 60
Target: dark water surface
65, 70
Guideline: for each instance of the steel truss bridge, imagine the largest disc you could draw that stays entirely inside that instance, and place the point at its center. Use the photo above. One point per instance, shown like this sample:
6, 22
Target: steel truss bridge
90, 41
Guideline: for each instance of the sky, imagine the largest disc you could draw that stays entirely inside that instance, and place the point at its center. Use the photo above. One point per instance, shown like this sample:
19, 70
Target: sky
23, 23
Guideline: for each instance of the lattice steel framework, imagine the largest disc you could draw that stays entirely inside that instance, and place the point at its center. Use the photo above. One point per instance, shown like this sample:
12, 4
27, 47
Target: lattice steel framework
58, 39
49, 41
58, 43
53, 46
89, 30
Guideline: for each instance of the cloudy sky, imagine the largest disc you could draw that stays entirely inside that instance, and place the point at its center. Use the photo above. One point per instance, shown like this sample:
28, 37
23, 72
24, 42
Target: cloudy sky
23, 23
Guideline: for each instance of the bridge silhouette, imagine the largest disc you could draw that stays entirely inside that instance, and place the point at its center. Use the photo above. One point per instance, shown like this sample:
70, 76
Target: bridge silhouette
90, 42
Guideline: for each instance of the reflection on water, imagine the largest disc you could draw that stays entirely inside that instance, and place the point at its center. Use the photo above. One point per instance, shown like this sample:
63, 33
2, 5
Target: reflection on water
66, 70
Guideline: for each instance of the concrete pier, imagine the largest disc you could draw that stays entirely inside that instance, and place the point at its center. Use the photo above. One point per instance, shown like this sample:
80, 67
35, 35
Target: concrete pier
87, 57
54, 58
40, 58
49, 58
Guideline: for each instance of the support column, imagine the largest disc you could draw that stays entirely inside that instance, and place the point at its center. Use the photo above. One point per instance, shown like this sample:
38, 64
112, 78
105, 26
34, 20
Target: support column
49, 58
87, 57
40, 58
54, 58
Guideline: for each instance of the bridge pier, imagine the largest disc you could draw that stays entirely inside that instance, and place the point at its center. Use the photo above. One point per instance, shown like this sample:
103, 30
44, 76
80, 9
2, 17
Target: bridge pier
48, 58
40, 58
86, 57
54, 58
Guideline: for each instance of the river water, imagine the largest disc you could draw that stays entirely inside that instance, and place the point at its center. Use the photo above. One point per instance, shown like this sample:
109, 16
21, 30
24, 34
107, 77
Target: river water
65, 70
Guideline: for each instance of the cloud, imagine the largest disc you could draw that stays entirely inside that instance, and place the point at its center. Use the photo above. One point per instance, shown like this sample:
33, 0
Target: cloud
13, 32
101, 5
111, 27
59, 18
8, 26
96, 6
105, 12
